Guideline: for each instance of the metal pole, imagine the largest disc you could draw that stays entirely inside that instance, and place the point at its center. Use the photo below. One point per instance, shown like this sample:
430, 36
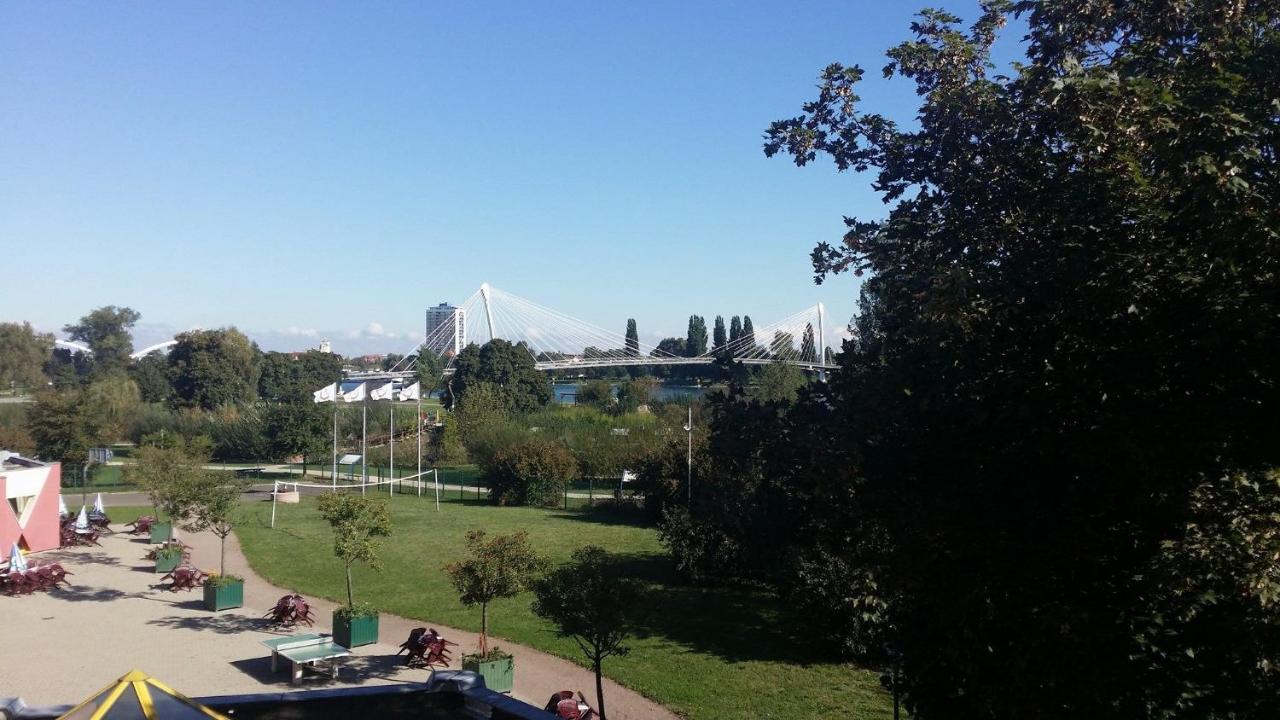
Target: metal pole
334, 476
436, 473
364, 444
419, 419
689, 471
275, 490
391, 483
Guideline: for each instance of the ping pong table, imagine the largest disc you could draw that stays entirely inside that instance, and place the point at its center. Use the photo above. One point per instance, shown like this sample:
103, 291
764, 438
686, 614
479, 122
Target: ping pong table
305, 650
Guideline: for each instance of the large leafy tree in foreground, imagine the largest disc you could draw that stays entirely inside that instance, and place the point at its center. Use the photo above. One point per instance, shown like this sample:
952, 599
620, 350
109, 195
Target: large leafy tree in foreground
1058, 418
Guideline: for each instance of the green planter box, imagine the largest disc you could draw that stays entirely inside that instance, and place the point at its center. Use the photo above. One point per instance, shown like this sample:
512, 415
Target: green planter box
223, 597
499, 675
166, 564
161, 532
354, 632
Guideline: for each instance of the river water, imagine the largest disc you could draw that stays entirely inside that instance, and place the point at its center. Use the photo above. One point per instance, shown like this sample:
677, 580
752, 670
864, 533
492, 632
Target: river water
565, 392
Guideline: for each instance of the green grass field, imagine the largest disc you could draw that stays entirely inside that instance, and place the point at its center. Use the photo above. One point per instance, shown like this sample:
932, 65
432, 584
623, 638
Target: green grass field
704, 652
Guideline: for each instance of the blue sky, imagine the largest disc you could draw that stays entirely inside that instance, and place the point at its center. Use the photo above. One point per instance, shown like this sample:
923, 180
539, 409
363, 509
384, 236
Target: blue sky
323, 169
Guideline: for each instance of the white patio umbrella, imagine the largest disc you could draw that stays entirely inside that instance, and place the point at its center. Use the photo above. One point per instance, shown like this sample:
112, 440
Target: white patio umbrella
97, 505
62, 507
17, 563
82, 520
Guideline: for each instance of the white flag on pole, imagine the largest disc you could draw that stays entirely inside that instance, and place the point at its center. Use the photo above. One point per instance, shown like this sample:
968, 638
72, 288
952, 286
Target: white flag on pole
355, 394
97, 505
385, 392
413, 392
328, 393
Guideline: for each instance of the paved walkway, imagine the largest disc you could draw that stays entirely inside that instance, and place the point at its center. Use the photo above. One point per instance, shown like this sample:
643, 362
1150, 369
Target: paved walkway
115, 619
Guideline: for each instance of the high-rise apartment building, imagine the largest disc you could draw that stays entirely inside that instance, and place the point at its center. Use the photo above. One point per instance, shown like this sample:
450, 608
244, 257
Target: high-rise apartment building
446, 331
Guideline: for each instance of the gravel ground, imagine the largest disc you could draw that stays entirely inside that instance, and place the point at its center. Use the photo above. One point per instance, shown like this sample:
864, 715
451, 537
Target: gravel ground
61, 646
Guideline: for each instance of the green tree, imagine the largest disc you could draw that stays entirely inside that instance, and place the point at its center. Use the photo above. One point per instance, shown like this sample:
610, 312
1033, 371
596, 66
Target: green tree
151, 374
695, 343
778, 382
509, 367
166, 471
808, 345
634, 393
783, 346
597, 394
63, 426
114, 399
535, 471
357, 522
298, 429
495, 567
735, 328
590, 600
210, 501
106, 332
429, 368
1062, 393
484, 405
23, 354
286, 378
718, 335
748, 332
67, 369
633, 338
215, 368
670, 347
278, 377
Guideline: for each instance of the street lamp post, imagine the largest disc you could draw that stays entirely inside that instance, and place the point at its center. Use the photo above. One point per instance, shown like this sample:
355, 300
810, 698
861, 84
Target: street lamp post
688, 480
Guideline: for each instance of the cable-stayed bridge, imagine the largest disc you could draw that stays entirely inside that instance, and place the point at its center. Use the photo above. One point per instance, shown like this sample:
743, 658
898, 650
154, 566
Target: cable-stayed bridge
560, 342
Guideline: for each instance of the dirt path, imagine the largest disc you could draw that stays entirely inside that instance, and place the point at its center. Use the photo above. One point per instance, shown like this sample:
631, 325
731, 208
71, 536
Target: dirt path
537, 673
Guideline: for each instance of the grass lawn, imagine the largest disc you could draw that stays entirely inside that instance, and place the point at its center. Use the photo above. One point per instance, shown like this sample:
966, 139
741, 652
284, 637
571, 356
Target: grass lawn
705, 653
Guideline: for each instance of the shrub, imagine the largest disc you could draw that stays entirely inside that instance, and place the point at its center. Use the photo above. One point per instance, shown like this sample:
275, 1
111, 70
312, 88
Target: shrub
219, 580
532, 472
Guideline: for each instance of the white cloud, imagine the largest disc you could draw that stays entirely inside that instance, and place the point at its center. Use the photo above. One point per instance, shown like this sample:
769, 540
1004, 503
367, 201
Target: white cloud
374, 329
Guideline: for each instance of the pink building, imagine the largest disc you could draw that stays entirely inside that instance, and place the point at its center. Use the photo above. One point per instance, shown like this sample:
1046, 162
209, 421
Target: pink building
29, 515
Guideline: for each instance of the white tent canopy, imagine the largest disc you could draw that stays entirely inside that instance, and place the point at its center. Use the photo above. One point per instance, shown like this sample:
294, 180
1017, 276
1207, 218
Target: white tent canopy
17, 563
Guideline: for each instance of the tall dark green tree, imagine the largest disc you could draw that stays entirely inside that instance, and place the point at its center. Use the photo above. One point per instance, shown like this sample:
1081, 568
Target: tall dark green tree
808, 345
633, 338
748, 332
695, 343
106, 332
718, 335
735, 328
1053, 436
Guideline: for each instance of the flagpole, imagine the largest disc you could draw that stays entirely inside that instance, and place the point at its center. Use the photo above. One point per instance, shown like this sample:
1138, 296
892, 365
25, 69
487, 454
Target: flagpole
391, 482
419, 417
364, 443
334, 476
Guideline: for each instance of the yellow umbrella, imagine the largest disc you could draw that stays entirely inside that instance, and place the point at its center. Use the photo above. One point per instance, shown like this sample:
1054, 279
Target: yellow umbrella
138, 696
